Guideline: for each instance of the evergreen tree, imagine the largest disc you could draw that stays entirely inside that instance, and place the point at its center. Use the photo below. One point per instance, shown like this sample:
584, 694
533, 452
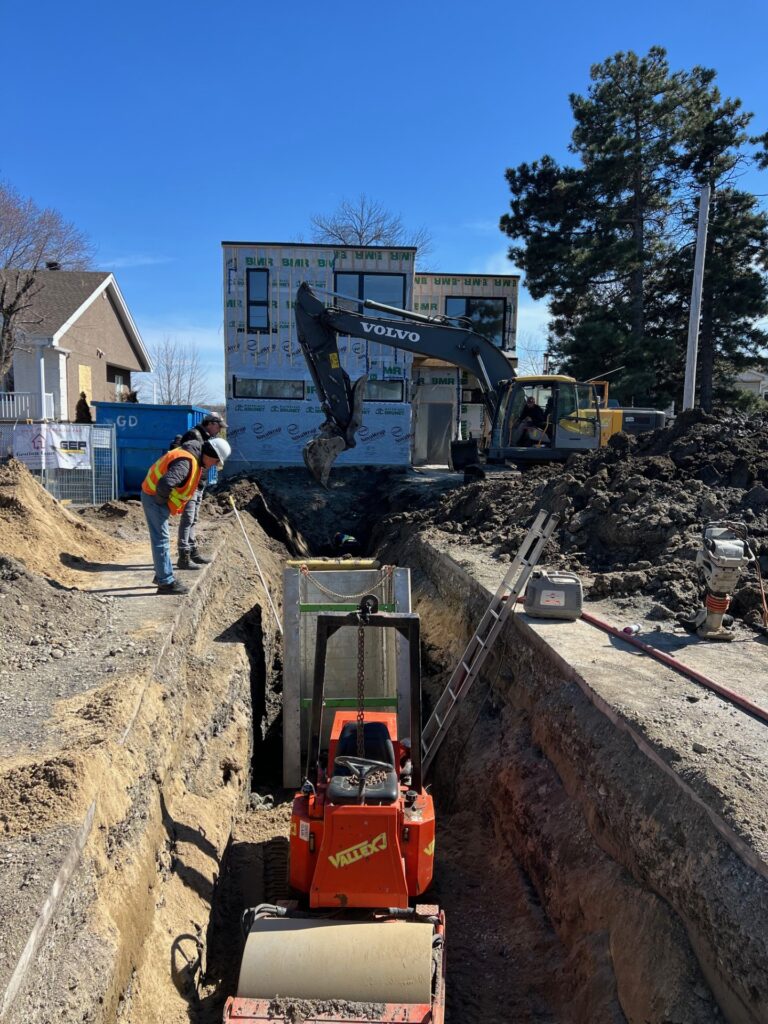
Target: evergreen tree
611, 242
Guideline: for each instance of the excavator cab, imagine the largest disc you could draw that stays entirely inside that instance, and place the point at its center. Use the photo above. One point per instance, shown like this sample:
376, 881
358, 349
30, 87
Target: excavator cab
544, 418
355, 945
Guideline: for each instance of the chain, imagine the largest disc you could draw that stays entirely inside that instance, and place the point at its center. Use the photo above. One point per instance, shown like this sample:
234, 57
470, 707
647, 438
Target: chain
361, 690
384, 576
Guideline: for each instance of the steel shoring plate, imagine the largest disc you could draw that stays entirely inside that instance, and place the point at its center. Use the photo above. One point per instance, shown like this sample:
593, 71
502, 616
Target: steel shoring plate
381, 962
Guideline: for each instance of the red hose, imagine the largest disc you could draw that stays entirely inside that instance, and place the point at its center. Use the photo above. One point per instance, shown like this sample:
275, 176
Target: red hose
691, 673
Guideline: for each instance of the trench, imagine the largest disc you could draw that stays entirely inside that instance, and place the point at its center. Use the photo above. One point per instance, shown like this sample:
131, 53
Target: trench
546, 920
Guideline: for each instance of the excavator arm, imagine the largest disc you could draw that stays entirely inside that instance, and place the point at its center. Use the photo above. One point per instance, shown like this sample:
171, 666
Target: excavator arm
318, 327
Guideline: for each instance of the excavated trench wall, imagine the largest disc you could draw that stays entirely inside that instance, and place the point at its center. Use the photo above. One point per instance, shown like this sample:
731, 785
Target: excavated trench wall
127, 937
659, 918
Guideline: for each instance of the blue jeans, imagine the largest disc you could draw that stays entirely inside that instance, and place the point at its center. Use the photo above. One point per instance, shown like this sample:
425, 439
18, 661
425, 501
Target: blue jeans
187, 522
157, 517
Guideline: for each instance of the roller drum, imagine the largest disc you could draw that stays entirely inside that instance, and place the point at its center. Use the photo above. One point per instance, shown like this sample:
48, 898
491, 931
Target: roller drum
378, 962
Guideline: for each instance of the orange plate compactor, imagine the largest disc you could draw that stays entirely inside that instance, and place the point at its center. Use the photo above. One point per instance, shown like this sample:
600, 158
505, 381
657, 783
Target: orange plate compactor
356, 945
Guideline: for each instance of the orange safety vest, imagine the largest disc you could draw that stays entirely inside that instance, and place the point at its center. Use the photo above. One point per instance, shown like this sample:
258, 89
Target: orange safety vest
179, 496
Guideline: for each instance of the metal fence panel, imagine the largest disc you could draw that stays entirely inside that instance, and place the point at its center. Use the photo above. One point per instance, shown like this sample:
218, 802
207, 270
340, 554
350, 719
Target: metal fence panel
91, 486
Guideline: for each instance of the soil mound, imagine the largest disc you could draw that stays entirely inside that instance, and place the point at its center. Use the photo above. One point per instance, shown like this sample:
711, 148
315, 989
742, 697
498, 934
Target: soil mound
40, 532
632, 513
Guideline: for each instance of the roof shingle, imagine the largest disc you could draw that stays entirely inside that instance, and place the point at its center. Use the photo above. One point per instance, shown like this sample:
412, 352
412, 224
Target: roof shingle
60, 294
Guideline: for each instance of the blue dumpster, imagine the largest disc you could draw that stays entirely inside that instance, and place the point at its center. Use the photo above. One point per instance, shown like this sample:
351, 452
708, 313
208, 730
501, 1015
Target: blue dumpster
143, 433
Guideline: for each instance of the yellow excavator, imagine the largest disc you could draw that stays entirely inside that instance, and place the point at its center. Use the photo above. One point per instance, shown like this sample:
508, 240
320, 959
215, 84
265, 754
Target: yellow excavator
534, 419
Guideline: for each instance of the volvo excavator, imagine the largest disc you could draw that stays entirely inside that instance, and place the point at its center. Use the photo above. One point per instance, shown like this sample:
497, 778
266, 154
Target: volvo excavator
569, 414
355, 944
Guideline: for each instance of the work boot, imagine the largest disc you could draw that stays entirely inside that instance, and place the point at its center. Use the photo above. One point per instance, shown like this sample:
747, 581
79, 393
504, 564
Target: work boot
174, 587
185, 561
197, 556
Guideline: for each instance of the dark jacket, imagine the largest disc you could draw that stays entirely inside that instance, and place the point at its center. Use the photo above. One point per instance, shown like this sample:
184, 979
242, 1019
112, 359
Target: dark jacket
198, 433
535, 414
178, 472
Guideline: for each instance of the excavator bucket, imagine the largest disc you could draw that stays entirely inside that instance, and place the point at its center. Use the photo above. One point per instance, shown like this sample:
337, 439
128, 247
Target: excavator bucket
320, 454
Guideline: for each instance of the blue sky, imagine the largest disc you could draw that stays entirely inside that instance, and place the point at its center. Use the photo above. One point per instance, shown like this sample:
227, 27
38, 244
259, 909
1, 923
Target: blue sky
162, 129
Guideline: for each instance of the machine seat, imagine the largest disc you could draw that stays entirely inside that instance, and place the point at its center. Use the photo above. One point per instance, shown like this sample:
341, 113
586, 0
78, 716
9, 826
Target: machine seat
378, 747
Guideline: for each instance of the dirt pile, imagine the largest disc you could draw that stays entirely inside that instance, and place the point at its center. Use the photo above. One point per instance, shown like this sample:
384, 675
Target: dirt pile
40, 532
122, 520
632, 513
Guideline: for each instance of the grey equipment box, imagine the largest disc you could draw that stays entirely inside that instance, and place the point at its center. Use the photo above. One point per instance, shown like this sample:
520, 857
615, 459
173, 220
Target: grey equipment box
553, 595
637, 421
337, 585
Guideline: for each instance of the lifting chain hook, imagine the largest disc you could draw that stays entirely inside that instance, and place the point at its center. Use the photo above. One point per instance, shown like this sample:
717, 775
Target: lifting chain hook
361, 689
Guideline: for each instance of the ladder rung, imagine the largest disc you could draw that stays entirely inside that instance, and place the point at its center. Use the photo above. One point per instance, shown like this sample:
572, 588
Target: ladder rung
486, 632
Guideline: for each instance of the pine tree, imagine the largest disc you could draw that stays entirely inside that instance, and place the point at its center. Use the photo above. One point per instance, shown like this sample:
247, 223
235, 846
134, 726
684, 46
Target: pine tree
611, 242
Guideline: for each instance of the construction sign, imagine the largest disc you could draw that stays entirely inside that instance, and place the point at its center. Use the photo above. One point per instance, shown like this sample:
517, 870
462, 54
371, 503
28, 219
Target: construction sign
53, 445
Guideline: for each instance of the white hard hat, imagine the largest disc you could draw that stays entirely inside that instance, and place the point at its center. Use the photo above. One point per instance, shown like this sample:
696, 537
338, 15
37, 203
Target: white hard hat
218, 447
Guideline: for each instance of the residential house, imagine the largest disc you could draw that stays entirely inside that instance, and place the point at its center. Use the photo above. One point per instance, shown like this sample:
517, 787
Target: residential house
754, 381
77, 335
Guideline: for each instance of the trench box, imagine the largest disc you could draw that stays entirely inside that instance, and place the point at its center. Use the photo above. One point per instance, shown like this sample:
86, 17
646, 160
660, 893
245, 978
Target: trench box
338, 585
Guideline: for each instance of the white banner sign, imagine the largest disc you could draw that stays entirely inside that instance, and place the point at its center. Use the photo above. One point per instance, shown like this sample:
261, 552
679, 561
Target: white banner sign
53, 445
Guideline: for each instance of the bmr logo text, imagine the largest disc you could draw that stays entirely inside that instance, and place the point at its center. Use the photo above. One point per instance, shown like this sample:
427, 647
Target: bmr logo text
344, 858
390, 332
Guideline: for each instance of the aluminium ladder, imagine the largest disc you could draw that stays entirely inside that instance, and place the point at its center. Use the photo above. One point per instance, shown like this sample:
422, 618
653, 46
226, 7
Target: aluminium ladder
491, 624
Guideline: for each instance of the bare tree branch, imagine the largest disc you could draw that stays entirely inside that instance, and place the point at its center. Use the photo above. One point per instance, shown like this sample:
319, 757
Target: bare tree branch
179, 377
364, 221
30, 237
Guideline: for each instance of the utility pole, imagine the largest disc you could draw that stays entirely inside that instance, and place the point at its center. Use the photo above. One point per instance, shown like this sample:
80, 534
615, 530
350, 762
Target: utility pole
689, 390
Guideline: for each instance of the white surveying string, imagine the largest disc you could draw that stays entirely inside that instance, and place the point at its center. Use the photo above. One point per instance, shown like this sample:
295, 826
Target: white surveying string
256, 563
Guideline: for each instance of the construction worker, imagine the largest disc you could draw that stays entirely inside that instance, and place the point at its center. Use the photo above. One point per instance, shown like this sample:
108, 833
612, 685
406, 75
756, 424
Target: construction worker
167, 487
530, 423
190, 556
346, 544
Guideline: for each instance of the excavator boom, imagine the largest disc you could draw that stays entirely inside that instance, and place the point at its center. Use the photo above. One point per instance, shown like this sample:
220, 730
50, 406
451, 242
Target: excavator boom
318, 327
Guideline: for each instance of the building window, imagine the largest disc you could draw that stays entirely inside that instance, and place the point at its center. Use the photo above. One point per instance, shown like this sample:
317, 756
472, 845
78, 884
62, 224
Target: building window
257, 300
386, 288
120, 378
487, 316
252, 387
384, 391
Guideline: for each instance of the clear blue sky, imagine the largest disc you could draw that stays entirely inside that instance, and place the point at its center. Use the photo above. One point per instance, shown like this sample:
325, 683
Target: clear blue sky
163, 128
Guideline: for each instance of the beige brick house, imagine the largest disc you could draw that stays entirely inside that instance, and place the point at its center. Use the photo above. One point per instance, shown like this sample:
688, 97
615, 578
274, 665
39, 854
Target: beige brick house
78, 335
